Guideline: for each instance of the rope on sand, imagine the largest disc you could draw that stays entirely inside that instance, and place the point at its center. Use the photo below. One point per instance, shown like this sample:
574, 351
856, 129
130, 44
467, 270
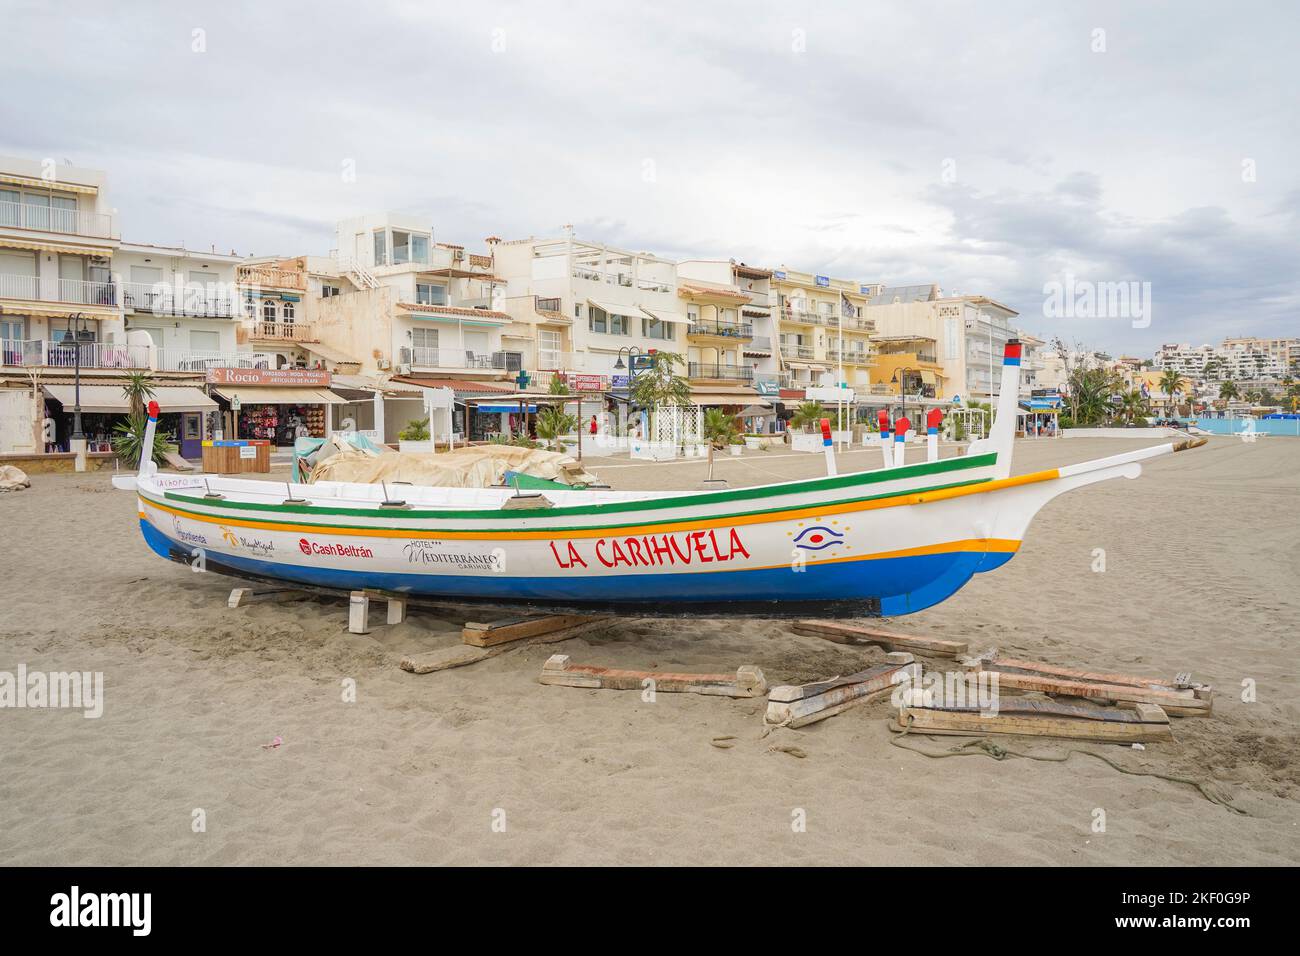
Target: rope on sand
983, 747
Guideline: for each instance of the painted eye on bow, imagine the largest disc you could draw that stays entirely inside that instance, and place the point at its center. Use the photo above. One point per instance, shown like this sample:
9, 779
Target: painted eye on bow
817, 538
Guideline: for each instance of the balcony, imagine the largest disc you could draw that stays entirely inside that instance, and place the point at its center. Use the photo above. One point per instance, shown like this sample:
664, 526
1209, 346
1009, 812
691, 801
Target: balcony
37, 353
787, 314
550, 304
271, 277
50, 289
851, 356
176, 360
283, 331
731, 330
720, 373
419, 357
804, 352
192, 301
71, 222
852, 323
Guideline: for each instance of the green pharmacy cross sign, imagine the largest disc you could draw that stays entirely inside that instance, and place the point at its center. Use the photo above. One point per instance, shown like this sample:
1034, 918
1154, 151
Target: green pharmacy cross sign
522, 380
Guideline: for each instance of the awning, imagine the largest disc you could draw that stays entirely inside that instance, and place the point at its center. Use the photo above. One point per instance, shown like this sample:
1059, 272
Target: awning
266, 395
507, 409
34, 182
55, 247
612, 309
665, 316
109, 399
927, 376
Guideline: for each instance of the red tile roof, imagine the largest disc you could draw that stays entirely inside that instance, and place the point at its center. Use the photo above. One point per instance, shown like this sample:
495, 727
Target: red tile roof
453, 310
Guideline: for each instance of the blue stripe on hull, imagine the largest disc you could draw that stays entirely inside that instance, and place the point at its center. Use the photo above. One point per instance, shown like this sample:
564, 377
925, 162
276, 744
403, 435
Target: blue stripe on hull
902, 585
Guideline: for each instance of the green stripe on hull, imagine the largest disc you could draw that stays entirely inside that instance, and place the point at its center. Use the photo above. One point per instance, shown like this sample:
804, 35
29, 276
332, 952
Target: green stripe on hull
652, 504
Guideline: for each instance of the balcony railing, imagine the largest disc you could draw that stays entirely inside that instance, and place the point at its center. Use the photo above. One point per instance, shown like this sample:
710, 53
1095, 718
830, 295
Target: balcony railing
271, 277
797, 351
51, 289
715, 372
548, 304
757, 300
787, 314
858, 356
177, 360
193, 301
72, 222
284, 331
53, 354
739, 330
760, 342
853, 323
461, 358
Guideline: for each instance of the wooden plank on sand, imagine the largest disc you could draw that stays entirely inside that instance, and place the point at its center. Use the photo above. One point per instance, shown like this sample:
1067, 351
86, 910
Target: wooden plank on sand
855, 634
517, 628
748, 681
458, 655
1183, 703
797, 705
1040, 718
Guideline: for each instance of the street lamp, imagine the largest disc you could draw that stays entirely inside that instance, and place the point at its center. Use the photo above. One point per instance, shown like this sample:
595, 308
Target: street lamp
76, 340
902, 385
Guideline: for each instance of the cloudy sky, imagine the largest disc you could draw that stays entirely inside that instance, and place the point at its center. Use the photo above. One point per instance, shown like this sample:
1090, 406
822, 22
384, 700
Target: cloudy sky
989, 147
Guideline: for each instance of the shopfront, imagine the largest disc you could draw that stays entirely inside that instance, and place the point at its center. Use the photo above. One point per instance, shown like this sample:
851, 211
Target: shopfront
275, 405
104, 406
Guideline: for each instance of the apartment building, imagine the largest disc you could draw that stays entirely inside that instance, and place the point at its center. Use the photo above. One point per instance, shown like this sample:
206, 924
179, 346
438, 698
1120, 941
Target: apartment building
1239, 359
961, 334
396, 301
822, 327
589, 306
731, 332
185, 305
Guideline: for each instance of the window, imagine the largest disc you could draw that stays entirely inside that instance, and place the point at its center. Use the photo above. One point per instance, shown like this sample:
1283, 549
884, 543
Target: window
425, 342
268, 310
326, 291
401, 247
608, 323
381, 248
693, 314
655, 329
577, 310
428, 293
286, 310
419, 248
597, 321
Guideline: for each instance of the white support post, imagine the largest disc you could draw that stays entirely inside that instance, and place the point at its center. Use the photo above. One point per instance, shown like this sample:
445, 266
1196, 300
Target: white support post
886, 439
359, 613
396, 610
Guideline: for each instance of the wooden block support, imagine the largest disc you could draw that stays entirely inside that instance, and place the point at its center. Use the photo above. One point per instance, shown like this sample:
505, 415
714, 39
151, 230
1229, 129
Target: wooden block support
795, 706
359, 613
1042, 718
518, 628
239, 597
461, 654
747, 682
842, 633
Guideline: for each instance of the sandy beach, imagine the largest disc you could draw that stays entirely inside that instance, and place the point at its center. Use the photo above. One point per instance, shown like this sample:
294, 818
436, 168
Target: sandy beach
1202, 575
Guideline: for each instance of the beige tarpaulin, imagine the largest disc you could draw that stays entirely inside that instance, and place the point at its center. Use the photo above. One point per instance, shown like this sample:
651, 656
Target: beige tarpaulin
478, 467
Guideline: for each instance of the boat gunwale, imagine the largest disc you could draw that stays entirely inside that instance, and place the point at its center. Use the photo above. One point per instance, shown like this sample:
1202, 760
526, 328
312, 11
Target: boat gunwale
804, 486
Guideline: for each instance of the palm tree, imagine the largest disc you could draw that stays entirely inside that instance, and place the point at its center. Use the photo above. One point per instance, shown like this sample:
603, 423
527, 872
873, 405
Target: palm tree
1228, 390
719, 429
138, 389
1133, 407
661, 384
1171, 381
808, 413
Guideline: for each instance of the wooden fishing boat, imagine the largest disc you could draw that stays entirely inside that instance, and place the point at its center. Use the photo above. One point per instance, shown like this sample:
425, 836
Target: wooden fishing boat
889, 541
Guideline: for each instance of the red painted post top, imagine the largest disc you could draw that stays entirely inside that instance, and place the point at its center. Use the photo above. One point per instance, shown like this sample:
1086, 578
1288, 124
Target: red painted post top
901, 426
934, 418
883, 417
1012, 350
826, 429
153, 409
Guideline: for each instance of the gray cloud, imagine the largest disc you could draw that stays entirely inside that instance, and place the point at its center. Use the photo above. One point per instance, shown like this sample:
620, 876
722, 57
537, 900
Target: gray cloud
817, 135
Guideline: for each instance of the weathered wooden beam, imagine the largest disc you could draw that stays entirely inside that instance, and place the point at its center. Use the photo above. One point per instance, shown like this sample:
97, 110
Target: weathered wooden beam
1120, 689
519, 628
462, 654
797, 705
748, 680
842, 633
242, 597
1042, 718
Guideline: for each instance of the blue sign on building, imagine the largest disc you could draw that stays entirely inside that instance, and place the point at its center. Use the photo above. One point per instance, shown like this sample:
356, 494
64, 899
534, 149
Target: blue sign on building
778, 274
823, 281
